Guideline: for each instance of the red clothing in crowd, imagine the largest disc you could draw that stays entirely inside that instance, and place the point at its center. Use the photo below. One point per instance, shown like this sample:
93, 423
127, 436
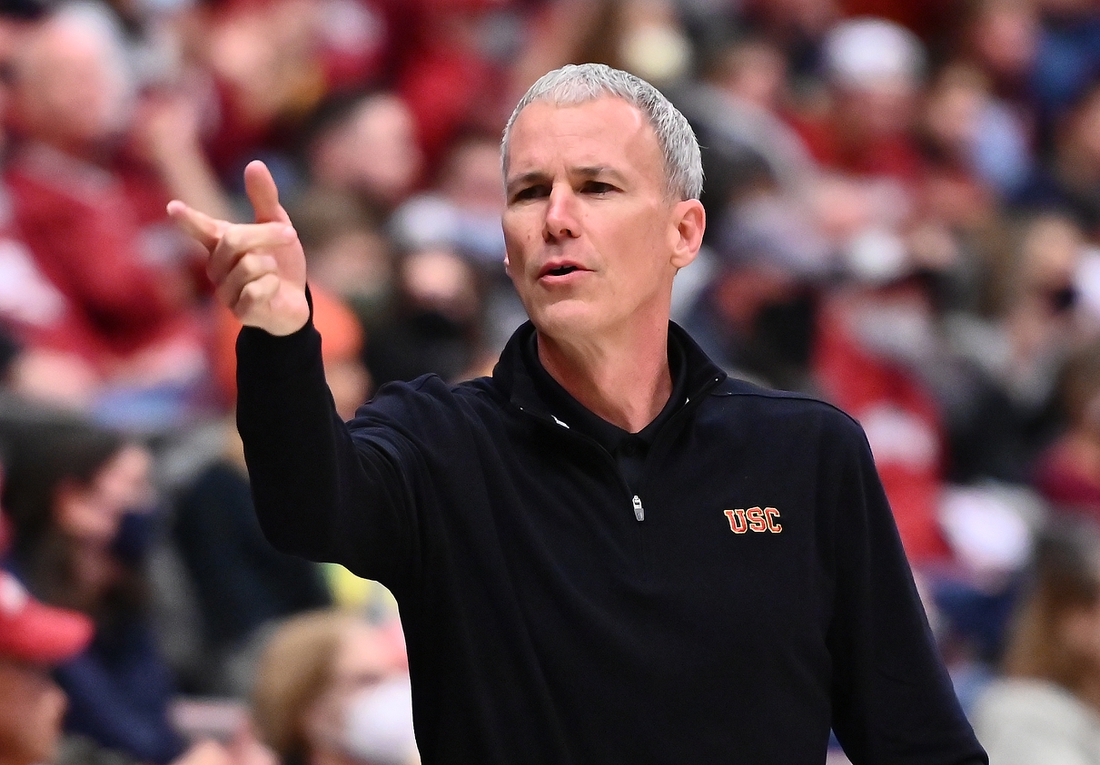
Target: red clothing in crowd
119, 281
32, 307
1065, 482
903, 426
894, 157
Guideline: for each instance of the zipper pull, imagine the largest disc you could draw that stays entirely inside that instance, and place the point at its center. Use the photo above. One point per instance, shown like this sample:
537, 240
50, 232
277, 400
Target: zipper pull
639, 511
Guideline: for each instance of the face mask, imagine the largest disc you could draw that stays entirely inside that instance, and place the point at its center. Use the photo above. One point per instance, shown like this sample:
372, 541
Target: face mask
900, 332
378, 725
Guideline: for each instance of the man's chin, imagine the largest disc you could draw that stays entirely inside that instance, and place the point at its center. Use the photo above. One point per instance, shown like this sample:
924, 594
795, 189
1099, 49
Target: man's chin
563, 318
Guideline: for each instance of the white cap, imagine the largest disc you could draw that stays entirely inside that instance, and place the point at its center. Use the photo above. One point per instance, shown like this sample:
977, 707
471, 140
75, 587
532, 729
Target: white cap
868, 52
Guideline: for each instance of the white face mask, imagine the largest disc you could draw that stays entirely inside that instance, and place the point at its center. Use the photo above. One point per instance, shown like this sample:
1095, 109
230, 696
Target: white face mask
378, 724
899, 332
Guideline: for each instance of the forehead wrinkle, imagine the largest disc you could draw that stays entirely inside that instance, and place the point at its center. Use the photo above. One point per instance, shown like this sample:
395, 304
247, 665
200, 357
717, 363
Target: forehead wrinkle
585, 171
571, 131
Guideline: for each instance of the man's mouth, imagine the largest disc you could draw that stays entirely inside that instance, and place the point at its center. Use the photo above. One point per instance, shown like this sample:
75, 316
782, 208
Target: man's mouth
559, 269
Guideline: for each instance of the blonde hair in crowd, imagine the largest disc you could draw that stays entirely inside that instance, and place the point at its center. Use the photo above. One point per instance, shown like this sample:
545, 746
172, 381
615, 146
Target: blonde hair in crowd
293, 672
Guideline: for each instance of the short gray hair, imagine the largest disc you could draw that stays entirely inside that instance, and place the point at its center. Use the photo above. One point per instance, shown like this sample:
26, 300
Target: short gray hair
579, 83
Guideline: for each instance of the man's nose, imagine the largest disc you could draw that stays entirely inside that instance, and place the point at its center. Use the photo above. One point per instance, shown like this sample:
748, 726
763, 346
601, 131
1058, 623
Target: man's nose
561, 215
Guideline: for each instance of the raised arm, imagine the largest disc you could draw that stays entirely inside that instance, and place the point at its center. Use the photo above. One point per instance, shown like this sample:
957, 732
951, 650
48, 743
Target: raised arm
316, 493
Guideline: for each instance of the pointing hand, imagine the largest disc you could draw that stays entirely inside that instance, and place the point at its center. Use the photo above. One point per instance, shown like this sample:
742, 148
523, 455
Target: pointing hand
258, 269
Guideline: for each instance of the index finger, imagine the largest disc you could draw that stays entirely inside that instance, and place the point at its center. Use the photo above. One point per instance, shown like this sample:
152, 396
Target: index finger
199, 226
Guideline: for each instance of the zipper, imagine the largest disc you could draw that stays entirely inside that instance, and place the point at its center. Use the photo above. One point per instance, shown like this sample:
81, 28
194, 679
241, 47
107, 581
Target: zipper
555, 423
635, 499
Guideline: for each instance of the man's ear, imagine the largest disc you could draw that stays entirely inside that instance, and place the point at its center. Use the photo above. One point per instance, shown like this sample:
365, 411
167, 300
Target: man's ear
690, 221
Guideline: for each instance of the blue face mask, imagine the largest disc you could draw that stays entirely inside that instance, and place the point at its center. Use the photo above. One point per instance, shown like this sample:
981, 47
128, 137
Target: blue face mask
135, 534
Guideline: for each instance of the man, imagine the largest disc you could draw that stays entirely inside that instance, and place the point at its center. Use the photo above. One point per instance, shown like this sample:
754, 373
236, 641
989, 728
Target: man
33, 638
608, 551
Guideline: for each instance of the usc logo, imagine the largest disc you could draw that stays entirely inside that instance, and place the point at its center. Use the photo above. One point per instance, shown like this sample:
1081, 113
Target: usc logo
754, 519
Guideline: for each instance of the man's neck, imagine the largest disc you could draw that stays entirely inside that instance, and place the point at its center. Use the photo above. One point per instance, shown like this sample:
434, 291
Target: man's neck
625, 383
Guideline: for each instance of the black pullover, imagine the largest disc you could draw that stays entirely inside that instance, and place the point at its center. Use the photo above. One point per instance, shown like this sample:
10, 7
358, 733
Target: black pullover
762, 598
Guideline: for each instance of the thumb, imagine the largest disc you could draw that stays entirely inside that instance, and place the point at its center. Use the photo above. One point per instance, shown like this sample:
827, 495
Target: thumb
263, 194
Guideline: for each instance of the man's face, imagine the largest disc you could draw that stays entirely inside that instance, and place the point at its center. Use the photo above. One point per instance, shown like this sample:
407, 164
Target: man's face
593, 240
31, 710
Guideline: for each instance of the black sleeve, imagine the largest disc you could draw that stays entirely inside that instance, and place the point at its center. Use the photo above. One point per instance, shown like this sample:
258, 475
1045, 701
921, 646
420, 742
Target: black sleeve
893, 701
317, 493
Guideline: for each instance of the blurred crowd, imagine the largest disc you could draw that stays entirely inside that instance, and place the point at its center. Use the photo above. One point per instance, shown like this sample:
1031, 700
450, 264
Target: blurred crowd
904, 219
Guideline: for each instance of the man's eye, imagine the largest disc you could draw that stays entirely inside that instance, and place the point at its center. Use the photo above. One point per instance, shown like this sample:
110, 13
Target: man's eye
530, 192
596, 187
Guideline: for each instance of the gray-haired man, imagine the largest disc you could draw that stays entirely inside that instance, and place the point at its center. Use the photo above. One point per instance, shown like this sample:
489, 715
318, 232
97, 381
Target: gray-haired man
608, 551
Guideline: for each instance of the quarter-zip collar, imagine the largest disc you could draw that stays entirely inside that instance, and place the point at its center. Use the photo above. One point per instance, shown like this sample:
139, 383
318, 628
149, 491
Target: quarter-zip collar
514, 379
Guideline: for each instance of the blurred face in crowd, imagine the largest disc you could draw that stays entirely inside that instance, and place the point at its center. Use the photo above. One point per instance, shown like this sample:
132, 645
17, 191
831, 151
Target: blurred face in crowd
31, 711
93, 512
875, 112
1050, 254
593, 239
954, 109
756, 72
1006, 36
439, 280
473, 176
73, 88
374, 152
364, 659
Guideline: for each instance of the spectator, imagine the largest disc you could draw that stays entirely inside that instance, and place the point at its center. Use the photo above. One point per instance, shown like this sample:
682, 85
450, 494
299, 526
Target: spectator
366, 145
435, 324
1068, 183
350, 256
34, 638
1001, 38
72, 492
1045, 709
462, 211
738, 113
798, 26
1068, 474
332, 690
875, 70
48, 333
758, 314
264, 67
975, 143
1068, 57
874, 339
1037, 323
120, 271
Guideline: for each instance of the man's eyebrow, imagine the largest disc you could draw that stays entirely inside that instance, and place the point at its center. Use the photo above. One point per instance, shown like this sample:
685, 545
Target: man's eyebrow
599, 171
535, 176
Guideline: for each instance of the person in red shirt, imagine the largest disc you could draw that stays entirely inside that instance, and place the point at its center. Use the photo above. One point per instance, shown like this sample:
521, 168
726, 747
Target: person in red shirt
120, 280
873, 72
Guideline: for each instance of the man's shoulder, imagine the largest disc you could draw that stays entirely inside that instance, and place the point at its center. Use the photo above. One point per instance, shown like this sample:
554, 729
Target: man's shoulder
778, 419
765, 402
